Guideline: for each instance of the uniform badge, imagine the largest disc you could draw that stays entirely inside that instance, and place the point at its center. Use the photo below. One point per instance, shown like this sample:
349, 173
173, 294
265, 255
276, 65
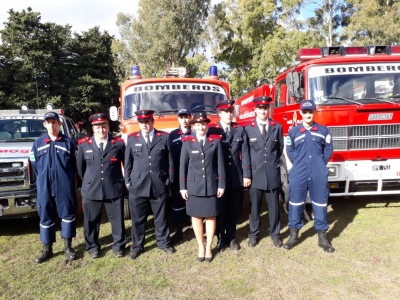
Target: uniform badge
288, 141
328, 139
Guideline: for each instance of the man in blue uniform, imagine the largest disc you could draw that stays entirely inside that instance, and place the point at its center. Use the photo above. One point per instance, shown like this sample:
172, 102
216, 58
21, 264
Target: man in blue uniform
53, 159
178, 203
309, 148
238, 173
99, 164
266, 146
149, 169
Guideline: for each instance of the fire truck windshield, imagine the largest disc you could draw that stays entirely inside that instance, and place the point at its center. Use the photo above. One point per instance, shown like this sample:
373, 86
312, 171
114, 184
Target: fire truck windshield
356, 83
168, 98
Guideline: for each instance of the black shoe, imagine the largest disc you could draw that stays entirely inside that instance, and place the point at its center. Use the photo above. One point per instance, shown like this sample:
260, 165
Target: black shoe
200, 258
208, 259
69, 252
135, 253
324, 243
276, 240
94, 254
252, 241
234, 246
169, 250
46, 253
293, 239
118, 253
178, 235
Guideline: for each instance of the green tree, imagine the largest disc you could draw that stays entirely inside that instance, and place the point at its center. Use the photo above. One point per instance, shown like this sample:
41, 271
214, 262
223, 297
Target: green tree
163, 35
374, 22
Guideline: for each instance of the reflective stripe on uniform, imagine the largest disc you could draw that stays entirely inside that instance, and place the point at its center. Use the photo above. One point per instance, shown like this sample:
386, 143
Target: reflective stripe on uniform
296, 204
44, 226
68, 221
319, 204
299, 137
59, 147
318, 134
43, 147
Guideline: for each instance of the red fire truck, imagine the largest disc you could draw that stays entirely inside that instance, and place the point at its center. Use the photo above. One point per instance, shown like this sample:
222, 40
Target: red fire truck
166, 96
357, 92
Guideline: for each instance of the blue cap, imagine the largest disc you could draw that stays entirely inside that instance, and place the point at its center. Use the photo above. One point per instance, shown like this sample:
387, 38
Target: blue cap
307, 105
183, 111
51, 115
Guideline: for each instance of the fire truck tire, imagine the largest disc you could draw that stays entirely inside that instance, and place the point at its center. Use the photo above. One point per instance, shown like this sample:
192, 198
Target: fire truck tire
127, 214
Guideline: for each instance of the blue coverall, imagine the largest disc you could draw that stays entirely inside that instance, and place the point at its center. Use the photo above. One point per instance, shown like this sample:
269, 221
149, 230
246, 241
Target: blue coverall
55, 164
309, 151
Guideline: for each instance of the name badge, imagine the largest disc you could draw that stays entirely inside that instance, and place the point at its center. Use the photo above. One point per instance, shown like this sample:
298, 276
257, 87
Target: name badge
253, 139
138, 145
88, 151
175, 140
195, 151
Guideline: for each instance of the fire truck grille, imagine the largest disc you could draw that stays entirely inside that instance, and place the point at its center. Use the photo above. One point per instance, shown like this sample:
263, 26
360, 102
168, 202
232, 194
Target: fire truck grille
11, 184
17, 173
366, 137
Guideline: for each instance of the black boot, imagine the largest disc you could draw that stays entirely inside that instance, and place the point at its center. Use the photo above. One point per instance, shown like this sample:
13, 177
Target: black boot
293, 239
324, 243
46, 253
69, 252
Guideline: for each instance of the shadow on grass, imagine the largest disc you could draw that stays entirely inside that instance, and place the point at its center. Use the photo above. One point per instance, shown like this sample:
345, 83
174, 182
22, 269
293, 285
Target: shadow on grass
343, 211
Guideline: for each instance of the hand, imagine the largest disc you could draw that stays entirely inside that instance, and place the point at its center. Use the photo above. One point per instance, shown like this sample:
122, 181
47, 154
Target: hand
184, 194
246, 182
220, 193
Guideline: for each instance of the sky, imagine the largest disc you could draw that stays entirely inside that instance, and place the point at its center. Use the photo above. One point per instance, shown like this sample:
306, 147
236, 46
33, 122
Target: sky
80, 14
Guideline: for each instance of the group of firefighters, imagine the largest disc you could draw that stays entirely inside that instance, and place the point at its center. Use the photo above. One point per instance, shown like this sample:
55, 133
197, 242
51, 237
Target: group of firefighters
203, 168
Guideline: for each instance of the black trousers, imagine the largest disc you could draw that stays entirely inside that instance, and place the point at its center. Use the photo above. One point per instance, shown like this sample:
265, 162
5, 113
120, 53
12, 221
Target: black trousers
178, 206
92, 210
230, 206
272, 199
138, 207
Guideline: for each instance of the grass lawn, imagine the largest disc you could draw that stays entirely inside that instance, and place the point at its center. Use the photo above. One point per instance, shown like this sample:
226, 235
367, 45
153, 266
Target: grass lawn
364, 231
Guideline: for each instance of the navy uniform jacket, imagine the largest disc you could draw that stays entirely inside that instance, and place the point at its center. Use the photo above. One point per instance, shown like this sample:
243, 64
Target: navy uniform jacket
236, 153
55, 166
309, 151
147, 169
175, 138
101, 174
265, 155
202, 174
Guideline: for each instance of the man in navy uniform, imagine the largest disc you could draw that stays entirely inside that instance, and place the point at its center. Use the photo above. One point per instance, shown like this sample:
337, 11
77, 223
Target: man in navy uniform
99, 164
238, 173
309, 148
53, 159
178, 203
266, 146
149, 169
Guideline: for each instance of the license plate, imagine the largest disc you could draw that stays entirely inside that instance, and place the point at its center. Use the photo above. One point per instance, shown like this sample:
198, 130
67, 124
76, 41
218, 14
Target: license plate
381, 168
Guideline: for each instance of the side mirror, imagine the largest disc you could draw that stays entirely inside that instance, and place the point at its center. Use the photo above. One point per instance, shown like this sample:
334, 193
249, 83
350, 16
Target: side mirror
114, 113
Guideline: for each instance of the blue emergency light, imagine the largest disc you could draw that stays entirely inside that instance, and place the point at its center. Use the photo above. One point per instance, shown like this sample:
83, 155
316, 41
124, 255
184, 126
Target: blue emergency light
135, 72
213, 72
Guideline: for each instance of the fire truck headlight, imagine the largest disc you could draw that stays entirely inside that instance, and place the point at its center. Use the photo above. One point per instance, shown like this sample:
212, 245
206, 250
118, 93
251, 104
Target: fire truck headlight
16, 165
332, 171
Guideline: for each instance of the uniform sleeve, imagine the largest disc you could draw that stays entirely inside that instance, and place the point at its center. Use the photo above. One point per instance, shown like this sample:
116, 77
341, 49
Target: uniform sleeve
183, 168
80, 162
290, 149
72, 154
281, 142
171, 160
128, 162
33, 157
221, 167
328, 146
245, 153
123, 148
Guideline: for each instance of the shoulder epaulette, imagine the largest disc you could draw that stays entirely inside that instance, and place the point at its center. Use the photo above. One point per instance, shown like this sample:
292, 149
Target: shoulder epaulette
216, 125
160, 133
234, 125
81, 141
188, 138
274, 123
251, 123
215, 136
134, 133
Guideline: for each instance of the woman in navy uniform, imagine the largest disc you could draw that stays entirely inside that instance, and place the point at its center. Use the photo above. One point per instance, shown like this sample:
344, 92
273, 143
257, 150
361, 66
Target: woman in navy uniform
309, 148
178, 204
53, 159
238, 173
149, 169
266, 146
202, 181
99, 164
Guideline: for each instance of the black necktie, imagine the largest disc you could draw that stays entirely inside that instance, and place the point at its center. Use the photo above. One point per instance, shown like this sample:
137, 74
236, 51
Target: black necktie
227, 133
148, 140
201, 144
101, 147
264, 131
